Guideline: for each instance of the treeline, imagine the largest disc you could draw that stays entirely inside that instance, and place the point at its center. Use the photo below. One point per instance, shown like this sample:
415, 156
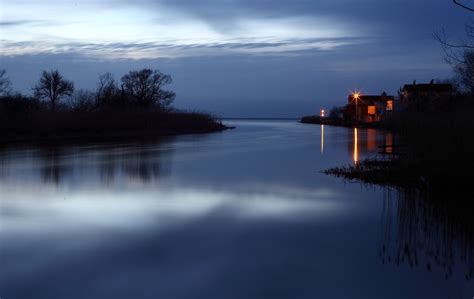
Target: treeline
142, 89
137, 105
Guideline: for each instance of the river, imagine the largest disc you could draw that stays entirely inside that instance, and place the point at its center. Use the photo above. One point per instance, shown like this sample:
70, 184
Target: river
245, 213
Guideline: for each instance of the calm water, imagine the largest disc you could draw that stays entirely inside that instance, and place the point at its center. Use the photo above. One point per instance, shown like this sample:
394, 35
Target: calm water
239, 214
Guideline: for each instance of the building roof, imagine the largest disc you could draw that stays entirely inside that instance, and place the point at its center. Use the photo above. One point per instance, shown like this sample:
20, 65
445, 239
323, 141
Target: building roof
428, 88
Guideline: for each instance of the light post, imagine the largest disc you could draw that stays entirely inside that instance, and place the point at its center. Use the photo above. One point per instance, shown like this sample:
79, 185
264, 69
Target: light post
356, 97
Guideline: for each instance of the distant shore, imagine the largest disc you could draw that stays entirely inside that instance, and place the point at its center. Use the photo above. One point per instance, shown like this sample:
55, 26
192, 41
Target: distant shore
318, 120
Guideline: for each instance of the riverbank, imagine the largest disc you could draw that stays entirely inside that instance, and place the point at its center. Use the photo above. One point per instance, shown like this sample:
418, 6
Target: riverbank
433, 150
61, 126
431, 178
434, 153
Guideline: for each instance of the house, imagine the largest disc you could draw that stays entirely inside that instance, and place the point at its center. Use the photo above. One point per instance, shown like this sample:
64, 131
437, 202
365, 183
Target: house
369, 108
431, 90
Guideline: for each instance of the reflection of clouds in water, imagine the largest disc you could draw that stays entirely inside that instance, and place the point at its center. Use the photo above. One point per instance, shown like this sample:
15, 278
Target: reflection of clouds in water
34, 210
242, 214
219, 255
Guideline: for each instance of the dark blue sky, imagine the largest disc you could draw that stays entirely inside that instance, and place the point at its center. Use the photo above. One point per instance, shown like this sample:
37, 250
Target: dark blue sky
234, 57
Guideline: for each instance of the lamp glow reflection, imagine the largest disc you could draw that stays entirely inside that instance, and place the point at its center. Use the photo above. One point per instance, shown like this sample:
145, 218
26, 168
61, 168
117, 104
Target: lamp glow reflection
322, 138
356, 151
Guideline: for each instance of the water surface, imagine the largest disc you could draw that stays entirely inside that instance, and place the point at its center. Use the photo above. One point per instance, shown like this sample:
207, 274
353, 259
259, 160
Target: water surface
244, 213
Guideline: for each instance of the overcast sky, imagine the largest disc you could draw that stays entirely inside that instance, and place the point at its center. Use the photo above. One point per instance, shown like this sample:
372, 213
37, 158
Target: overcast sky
237, 58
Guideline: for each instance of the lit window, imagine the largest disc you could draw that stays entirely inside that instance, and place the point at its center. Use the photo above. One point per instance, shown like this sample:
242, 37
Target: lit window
389, 105
371, 110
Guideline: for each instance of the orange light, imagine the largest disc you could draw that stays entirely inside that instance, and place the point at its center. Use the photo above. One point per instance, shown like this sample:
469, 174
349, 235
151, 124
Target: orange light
356, 95
371, 110
356, 147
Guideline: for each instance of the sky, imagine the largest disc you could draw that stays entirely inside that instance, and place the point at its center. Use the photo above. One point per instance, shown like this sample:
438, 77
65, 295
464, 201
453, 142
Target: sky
234, 58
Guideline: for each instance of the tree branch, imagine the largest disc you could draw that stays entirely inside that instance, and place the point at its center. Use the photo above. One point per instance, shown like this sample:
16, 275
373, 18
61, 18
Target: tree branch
440, 36
463, 6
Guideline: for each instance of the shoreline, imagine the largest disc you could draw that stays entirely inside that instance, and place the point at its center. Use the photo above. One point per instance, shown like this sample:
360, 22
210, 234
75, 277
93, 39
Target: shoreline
64, 127
317, 120
117, 136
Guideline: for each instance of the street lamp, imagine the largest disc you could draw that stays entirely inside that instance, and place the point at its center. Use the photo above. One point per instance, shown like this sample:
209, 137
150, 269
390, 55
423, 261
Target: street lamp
356, 97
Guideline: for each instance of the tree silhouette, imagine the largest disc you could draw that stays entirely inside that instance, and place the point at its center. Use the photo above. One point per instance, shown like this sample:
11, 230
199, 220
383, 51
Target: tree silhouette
466, 7
145, 87
83, 101
452, 48
106, 90
465, 71
4, 83
460, 54
52, 86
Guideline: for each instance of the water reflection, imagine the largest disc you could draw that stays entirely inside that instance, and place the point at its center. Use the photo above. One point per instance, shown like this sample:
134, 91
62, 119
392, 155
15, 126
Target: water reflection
356, 146
52, 167
421, 233
389, 143
243, 214
322, 139
365, 143
73, 165
432, 232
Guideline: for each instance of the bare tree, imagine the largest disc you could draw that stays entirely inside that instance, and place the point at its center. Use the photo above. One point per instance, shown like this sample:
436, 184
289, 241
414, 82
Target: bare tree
454, 50
5, 83
465, 71
145, 87
53, 87
460, 53
452, 47
106, 89
83, 101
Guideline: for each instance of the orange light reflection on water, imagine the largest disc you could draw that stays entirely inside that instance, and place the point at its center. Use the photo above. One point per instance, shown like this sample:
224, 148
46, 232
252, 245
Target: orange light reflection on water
356, 151
322, 138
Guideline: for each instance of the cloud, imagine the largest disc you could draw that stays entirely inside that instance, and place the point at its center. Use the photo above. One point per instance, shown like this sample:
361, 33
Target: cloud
179, 28
14, 23
226, 14
304, 53
175, 49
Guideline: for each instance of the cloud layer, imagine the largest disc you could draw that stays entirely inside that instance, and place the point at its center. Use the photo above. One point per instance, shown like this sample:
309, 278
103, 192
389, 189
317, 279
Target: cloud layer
233, 57
176, 49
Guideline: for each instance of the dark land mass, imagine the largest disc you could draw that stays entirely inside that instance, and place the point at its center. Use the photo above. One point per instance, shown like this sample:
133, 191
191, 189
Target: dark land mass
49, 126
136, 107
